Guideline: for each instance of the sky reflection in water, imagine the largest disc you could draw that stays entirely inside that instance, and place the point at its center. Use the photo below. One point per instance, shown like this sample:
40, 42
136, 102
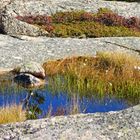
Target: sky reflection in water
61, 103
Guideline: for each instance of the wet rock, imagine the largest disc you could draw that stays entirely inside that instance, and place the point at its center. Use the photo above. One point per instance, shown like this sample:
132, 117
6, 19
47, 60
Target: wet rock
28, 80
34, 69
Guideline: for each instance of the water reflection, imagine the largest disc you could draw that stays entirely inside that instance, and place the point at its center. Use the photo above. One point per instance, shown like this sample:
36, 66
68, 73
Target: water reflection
61, 98
32, 104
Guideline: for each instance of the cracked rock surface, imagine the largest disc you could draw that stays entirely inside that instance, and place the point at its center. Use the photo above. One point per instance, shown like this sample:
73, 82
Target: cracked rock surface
15, 51
25, 7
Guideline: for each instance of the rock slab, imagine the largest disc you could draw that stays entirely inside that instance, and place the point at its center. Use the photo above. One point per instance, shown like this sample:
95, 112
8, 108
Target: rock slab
15, 51
122, 125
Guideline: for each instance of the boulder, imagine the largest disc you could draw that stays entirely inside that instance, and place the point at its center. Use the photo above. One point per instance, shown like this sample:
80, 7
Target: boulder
13, 26
9, 24
27, 80
33, 68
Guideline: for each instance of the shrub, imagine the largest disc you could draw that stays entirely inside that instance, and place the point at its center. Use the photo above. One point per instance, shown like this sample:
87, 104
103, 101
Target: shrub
74, 16
67, 17
133, 23
91, 29
39, 20
105, 23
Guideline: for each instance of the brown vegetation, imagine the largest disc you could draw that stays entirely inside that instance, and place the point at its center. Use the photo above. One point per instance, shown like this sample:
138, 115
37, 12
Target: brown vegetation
107, 72
105, 23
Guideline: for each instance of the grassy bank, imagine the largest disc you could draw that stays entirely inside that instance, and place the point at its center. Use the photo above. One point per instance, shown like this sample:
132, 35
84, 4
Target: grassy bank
106, 74
110, 73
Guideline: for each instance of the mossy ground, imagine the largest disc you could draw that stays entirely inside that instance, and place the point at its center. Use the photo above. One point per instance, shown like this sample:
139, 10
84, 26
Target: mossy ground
91, 30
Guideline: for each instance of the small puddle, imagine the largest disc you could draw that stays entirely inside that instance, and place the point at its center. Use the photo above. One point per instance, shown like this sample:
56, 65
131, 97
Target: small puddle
58, 97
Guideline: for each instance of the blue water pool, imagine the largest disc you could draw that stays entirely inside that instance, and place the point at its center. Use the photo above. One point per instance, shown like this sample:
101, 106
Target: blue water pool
48, 102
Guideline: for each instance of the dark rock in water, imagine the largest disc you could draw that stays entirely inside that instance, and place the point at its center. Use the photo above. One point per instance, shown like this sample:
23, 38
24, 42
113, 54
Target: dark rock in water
27, 80
34, 69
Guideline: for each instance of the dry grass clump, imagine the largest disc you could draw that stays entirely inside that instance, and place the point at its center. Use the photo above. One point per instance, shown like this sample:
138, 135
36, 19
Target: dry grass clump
105, 73
108, 63
13, 113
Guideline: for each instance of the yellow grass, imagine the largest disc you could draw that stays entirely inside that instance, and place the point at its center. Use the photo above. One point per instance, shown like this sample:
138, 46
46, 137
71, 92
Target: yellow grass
13, 113
107, 72
106, 64
4, 71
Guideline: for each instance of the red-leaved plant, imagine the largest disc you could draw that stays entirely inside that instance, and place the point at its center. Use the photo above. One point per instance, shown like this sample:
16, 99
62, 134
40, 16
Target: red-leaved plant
107, 18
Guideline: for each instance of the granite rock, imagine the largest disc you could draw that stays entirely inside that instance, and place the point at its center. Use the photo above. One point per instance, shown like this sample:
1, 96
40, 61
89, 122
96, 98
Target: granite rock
13, 26
121, 125
33, 68
14, 51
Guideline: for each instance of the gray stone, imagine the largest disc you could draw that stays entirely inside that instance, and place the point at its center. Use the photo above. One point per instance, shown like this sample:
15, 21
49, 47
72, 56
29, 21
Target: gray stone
121, 125
12, 26
34, 7
33, 68
15, 51
3, 3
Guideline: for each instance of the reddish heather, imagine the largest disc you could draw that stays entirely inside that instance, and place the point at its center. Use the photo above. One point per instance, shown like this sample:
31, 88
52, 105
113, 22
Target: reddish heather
107, 18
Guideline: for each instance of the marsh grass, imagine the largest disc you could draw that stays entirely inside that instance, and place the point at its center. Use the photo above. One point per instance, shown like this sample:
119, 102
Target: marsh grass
73, 107
116, 74
13, 113
7, 84
107, 72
